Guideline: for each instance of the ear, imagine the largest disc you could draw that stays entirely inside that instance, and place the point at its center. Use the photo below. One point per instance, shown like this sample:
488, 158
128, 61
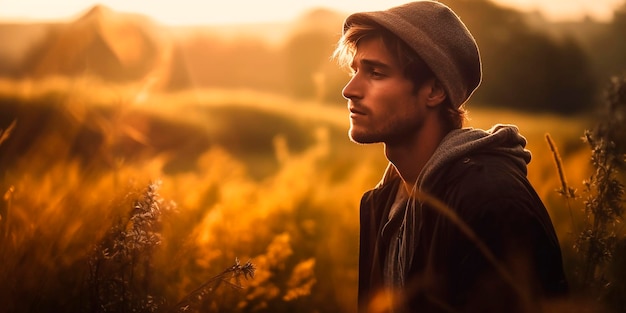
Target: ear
437, 93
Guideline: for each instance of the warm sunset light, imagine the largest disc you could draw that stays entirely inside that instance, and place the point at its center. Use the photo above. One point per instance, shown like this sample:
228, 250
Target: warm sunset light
186, 12
198, 155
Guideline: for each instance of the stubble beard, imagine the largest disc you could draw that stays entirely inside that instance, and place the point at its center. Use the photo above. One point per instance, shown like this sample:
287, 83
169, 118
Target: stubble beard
393, 133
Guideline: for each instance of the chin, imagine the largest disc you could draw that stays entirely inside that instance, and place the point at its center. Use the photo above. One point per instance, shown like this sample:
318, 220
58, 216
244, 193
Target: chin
362, 138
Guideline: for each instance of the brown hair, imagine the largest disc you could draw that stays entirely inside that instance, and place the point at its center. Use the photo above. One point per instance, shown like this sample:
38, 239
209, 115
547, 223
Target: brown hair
414, 68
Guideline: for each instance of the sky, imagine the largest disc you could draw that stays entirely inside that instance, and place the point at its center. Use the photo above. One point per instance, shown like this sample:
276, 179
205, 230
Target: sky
190, 12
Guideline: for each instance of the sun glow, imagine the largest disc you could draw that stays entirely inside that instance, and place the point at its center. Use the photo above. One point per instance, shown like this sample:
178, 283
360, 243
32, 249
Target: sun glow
190, 12
182, 12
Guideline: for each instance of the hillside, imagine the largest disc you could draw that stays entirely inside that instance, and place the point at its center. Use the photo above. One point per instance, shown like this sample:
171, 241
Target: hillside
22, 38
528, 63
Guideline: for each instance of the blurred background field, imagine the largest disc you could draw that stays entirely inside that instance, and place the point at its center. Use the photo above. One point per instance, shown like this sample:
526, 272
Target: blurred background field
231, 142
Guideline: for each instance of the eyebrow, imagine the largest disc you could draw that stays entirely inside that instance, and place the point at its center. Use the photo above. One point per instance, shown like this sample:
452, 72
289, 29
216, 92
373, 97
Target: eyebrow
373, 63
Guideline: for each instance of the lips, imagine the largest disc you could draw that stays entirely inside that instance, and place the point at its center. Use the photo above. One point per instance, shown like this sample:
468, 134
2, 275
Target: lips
355, 111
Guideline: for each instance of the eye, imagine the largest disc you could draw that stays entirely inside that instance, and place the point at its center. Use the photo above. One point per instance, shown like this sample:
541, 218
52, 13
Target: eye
375, 73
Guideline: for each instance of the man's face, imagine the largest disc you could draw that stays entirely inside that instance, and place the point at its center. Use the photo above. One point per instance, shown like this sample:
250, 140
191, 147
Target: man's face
384, 107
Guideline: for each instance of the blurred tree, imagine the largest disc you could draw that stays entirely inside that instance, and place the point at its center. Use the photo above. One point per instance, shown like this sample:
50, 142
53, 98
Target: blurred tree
526, 69
534, 73
311, 73
610, 49
179, 77
305, 54
335, 78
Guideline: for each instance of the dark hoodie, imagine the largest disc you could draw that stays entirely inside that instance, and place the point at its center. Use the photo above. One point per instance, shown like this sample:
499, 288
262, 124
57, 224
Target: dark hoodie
473, 236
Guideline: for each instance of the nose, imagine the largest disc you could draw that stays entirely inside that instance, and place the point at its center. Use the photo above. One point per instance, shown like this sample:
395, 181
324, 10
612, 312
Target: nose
351, 90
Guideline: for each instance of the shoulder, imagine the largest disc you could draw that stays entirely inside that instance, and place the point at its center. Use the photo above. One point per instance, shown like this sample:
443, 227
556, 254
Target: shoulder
495, 198
487, 184
486, 174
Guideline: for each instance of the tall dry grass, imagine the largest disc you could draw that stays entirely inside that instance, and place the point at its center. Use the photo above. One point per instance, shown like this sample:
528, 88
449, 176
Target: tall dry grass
75, 177
254, 177
599, 237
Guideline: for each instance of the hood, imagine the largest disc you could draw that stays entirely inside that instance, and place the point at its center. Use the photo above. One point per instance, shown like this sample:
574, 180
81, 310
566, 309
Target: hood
502, 139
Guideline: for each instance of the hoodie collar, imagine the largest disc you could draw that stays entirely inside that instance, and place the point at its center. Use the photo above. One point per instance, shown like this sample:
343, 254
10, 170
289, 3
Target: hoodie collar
504, 139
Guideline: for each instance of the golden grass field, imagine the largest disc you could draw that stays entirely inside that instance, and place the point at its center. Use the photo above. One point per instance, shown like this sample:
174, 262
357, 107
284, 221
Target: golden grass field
251, 176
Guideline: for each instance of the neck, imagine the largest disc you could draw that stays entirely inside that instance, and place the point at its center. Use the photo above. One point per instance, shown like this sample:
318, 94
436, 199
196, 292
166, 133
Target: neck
411, 154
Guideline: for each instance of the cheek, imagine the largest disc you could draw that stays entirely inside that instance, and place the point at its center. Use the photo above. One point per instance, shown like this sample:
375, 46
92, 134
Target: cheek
394, 97
400, 104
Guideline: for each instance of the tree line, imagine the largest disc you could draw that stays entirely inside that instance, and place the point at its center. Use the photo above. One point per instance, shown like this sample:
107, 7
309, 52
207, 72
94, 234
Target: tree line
528, 63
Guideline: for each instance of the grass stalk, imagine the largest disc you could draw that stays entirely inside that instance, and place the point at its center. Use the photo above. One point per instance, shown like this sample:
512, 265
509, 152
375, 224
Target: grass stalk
196, 296
566, 191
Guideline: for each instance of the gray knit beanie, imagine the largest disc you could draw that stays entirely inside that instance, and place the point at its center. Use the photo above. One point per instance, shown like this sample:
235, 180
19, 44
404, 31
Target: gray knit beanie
439, 37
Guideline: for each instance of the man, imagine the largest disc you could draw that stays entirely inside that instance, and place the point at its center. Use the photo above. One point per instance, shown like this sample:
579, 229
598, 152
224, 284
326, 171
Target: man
454, 225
